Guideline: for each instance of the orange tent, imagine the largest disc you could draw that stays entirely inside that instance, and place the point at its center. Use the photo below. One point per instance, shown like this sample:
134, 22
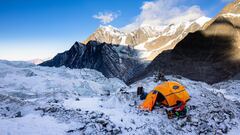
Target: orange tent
167, 93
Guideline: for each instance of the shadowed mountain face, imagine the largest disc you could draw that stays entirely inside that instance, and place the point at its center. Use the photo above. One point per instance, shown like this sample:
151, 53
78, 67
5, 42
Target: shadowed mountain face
211, 55
111, 60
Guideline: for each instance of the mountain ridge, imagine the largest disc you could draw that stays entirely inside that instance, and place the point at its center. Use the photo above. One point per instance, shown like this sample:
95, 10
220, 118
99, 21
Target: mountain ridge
146, 36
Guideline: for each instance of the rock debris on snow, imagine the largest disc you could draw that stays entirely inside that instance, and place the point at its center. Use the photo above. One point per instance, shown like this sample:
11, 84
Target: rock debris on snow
65, 100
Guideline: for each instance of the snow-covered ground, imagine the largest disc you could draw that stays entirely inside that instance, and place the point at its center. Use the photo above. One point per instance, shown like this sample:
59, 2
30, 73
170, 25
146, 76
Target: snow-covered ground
58, 101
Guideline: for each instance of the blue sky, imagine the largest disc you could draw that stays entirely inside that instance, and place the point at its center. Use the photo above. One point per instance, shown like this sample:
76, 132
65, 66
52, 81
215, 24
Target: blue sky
41, 28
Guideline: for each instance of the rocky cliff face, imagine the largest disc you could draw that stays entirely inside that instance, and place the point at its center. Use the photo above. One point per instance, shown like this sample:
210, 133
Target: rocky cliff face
111, 60
210, 55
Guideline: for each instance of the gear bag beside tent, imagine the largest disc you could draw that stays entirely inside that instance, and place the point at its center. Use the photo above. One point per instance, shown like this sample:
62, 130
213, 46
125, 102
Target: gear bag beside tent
167, 93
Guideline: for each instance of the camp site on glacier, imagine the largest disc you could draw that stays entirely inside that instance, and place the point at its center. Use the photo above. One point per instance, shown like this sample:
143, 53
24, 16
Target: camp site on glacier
139, 67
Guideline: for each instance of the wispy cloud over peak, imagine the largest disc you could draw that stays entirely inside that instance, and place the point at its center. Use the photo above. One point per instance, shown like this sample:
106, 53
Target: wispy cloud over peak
106, 17
164, 12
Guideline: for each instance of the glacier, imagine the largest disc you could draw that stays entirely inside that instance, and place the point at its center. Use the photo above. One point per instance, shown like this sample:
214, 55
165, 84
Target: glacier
49, 101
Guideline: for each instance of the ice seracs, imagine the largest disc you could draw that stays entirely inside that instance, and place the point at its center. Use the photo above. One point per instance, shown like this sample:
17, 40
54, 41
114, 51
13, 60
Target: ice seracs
33, 80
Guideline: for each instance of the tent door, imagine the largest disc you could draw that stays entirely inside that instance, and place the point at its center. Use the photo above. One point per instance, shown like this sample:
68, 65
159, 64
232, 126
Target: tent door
150, 101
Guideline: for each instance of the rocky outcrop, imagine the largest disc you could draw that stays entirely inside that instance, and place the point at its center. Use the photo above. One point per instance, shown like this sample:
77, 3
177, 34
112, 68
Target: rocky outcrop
210, 55
111, 60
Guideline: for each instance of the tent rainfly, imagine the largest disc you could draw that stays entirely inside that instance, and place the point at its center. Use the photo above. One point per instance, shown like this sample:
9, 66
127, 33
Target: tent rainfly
167, 94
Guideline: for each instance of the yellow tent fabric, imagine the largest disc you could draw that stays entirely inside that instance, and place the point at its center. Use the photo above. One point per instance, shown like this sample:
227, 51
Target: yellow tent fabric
170, 90
150, 101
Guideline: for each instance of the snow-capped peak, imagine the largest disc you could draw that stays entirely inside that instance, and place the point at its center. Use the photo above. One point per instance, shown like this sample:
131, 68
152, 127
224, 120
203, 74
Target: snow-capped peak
110, 30
150, 30
202, 20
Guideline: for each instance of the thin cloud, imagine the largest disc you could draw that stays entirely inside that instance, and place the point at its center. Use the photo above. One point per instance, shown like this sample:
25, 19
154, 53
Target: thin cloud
227, 1
164, 12
106, 17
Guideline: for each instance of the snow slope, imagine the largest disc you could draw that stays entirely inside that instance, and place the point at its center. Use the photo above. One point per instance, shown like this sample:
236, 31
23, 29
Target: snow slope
39, 100
32, 125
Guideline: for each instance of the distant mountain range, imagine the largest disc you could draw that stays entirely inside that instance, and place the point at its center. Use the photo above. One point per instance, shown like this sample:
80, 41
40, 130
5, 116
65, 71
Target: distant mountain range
36, 61
202, 49
151, 40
